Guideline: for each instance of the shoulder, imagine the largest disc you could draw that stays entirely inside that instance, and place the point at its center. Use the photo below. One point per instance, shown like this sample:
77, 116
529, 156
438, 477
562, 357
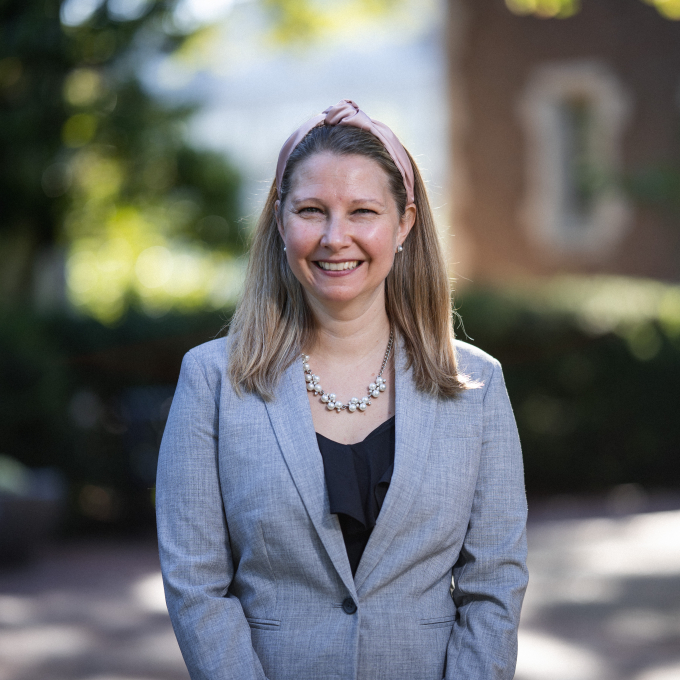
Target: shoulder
207, 361
486, 373
475, 363
208, 354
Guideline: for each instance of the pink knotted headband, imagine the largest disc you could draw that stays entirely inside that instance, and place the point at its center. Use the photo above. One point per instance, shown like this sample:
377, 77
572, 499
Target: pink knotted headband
347, 112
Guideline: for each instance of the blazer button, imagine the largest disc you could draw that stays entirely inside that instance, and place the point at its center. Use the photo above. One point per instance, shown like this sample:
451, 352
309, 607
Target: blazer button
348, 606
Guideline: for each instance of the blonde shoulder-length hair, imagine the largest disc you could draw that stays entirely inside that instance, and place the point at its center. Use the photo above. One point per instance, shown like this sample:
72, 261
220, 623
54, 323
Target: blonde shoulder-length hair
273, 322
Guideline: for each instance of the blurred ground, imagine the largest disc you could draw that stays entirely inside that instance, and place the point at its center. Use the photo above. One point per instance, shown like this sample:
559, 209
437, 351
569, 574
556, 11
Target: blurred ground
88, 611
603, 604
603, 601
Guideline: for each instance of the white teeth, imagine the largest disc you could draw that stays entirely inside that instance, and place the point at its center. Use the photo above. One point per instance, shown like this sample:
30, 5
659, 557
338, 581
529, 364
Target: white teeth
338, 266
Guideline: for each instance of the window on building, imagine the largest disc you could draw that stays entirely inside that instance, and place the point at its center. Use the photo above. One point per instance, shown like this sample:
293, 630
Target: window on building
578, 174
574, 116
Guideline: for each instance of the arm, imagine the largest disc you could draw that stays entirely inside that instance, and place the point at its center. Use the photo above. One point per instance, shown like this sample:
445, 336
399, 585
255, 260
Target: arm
196, 560
490, 576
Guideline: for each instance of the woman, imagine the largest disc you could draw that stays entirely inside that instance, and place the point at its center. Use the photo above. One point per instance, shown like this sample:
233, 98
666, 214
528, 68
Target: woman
309, 536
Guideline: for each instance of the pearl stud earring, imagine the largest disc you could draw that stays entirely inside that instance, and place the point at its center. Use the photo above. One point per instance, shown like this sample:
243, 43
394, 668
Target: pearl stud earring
400, 248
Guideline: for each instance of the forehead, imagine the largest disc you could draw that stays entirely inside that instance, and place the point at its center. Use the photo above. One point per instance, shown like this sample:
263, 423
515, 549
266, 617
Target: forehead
326, 171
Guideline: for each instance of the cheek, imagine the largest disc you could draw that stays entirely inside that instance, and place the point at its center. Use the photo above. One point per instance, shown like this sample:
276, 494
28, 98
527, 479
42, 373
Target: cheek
380, 244
300, 238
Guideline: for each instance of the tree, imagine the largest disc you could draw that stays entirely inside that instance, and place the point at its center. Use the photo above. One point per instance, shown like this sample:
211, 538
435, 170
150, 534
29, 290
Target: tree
670, 9
92, 164
88, 158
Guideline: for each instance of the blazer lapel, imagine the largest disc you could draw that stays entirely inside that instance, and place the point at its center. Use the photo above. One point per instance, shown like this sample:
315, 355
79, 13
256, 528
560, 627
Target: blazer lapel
291, 418
415, 414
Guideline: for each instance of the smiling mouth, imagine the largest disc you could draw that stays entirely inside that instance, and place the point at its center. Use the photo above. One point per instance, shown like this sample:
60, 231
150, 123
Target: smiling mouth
338, 266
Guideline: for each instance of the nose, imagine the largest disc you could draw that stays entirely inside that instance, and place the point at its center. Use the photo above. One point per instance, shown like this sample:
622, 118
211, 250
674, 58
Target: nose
336, 233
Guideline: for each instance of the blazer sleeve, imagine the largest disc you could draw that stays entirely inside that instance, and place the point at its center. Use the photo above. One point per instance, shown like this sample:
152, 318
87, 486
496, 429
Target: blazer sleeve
193, 537
490, 576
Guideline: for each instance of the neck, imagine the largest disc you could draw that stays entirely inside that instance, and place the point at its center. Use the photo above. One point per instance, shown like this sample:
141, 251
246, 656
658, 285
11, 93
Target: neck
350, 333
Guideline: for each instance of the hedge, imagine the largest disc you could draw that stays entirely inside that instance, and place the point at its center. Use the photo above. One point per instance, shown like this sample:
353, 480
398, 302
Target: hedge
592, 366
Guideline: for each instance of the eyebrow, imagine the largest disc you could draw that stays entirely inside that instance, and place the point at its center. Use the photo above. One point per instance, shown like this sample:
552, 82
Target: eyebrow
367, 200
354, 202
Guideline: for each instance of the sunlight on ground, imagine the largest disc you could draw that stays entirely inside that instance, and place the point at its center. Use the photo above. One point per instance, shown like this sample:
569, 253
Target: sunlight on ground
15, 611
115, 677
665, 673
603, 593
40, 643
542, 657
634, 546
149, 593
603, 604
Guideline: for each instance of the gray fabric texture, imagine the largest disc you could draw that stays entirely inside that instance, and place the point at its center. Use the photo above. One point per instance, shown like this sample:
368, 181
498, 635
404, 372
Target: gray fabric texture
254, 565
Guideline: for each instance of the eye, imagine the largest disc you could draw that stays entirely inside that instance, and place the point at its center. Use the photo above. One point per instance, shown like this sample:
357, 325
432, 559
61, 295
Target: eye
364, 211
308, 210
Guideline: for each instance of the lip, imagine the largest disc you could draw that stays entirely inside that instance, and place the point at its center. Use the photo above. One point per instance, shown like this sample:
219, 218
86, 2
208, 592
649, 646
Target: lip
337, 273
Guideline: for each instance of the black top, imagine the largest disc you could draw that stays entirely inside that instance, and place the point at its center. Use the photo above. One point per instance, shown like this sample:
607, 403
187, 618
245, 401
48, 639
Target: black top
357, 477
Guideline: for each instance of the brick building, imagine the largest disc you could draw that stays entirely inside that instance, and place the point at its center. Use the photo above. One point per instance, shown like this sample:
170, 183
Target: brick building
565, 141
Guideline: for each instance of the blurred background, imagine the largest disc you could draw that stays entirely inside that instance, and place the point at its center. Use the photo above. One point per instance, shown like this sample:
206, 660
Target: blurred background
138, 140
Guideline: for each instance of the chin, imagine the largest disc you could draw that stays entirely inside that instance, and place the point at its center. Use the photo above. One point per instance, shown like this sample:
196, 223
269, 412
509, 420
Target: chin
338, 297
343, 296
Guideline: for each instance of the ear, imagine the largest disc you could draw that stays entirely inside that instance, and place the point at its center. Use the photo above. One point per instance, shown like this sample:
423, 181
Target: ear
408, 219
277, 217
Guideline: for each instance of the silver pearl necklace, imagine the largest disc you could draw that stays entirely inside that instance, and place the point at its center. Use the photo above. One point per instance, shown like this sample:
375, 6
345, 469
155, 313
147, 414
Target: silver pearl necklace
374, 389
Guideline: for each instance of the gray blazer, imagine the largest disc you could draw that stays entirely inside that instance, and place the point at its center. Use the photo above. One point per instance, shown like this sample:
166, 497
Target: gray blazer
257, 580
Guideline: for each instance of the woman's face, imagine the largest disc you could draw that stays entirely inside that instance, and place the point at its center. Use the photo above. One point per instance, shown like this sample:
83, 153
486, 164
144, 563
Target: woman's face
341, 228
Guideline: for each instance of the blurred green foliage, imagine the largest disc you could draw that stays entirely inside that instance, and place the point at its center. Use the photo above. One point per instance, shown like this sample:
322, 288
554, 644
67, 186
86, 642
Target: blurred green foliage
548, 9
95, 169
563, 9
91, 162
298, 21
592, 366
656, 187
90, 401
